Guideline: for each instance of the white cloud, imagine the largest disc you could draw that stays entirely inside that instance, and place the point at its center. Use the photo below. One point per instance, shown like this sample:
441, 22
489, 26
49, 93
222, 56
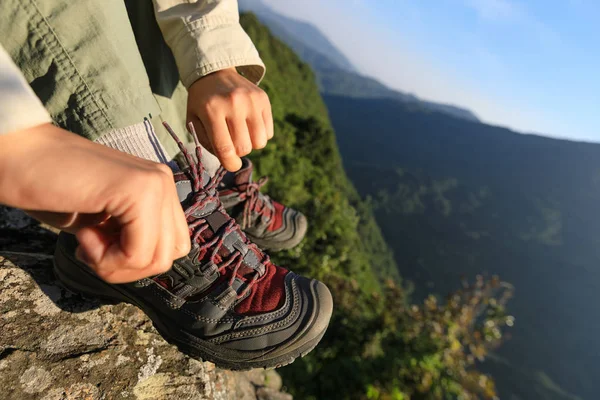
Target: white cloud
496, 9
516, 14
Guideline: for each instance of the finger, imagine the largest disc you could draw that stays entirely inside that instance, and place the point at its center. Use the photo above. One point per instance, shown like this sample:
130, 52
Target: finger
110, 227
94, 241
139, 229
201, 132
165, 248
182, 233
56, 219
268, 121
138, 241
258, 133
240, 135
126, 275
93, 244
82, 220
222, 144
181, 236
68, 222
161, 262
122, 275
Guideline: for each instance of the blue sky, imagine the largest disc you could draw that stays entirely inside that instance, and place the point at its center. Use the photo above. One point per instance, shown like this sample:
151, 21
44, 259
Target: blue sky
533, 66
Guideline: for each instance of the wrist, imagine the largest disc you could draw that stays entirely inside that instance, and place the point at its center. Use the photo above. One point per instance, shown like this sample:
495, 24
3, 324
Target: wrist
14, 149
223, 71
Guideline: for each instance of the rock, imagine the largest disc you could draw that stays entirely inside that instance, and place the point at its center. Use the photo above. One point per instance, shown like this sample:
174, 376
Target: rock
56, 345
264, 393
270, 378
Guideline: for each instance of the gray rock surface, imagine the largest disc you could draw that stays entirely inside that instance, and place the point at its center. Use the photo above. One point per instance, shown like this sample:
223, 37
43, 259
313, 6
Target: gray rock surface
58, 345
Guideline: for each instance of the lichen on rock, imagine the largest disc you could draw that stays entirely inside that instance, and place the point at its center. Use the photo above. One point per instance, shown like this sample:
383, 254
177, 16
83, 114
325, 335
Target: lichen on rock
56, 345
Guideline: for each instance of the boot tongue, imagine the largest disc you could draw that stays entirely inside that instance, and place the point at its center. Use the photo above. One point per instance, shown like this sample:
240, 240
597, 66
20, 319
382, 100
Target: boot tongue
233, 241
185, 186
244, 175
238, 180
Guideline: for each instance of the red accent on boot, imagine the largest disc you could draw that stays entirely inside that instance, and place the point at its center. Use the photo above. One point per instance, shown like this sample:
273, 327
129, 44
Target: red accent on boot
277, 220
267, 294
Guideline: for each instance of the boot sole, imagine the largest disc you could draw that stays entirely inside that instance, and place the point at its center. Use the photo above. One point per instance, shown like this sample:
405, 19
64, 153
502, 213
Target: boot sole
73, 276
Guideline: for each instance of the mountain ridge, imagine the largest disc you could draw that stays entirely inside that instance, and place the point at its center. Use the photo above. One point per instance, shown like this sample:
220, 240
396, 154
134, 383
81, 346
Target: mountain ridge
288, 29
335, 74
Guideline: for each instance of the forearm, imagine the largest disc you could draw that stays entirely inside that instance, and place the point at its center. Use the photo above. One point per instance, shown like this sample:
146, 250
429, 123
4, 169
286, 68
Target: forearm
21, 112
32, 174
14, 148
48, 168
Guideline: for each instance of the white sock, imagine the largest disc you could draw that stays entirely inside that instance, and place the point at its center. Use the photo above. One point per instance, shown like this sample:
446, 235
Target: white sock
139, 140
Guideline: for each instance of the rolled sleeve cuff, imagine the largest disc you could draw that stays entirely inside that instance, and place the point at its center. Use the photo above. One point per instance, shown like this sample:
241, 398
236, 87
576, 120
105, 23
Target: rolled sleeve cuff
214, 43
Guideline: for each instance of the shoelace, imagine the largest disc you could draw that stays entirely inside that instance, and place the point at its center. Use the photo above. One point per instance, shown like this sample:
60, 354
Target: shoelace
256, 201
200, 199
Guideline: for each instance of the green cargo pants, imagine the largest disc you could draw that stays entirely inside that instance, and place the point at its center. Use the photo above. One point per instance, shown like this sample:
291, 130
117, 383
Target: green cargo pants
96, 65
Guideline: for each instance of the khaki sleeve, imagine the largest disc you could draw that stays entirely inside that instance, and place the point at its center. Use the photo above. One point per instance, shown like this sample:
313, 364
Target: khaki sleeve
205, 36
20, 108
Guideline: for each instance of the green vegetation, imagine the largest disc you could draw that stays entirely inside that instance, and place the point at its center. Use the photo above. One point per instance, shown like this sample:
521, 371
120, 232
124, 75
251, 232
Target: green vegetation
455, 198
379, 345
305, 171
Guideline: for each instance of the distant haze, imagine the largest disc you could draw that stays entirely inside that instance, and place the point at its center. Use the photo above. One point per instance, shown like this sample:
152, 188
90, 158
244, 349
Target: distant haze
533, 69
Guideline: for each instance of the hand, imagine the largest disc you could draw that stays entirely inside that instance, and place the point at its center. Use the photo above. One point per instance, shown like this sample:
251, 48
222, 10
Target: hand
124, 210
231, 116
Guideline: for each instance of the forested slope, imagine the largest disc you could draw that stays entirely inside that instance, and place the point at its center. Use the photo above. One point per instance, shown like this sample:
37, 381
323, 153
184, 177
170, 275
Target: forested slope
378, 345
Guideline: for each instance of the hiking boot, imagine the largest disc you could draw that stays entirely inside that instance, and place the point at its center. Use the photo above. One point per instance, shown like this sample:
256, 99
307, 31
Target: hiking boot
225, 302
266, 222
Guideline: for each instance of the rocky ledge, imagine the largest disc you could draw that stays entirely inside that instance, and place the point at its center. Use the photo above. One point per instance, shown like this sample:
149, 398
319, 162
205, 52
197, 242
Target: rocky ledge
58, 345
